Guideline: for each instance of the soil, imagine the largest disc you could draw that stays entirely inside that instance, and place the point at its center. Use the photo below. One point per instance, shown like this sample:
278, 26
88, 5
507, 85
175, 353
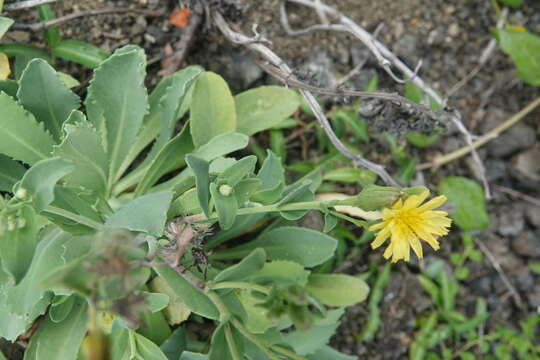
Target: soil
448, 36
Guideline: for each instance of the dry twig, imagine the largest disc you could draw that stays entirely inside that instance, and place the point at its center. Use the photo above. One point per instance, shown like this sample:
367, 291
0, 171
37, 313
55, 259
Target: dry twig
491, 258
62, 19
276, 62
26, 4
490, 135
386, 58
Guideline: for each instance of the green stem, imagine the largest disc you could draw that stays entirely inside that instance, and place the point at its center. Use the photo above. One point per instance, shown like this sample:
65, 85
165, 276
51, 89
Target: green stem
239, 285
75, 217
224, 313
232, 344
288, 353
260, 344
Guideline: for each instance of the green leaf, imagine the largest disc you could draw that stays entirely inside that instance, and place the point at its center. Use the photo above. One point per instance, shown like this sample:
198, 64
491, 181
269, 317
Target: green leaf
523, 48
237, 171
348, 175
12, 171
154, 327
24, 50
212, 108
5, 23
176, 311
249, 265
304, 246
52, 34
147, 213
82, 146
512, 3
309, 341
226, 205
272, 175
17, 246
175, 345
46, 96
468, 197
80, 52
221, 346
264, 107
338, 289
156, 301
20, 305
281, 271
10, 87
171, 157
193, 297
59, 340
188, 355
127, 344
117, 102
23, 138
164, 103
61, 307
39, 181
200, 168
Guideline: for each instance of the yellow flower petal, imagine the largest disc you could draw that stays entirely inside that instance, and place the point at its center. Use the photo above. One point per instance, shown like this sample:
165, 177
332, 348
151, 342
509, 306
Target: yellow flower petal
408, 223
433, 203
414, 201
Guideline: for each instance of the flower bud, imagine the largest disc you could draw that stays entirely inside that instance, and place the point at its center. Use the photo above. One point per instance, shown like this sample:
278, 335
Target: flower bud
374, 197
21, 194
225, 190
21, 223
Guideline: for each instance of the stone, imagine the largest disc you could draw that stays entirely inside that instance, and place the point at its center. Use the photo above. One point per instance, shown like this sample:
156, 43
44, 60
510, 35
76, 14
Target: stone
532, 214
527, 244
319, 69
511, 220
525, 167
517, 138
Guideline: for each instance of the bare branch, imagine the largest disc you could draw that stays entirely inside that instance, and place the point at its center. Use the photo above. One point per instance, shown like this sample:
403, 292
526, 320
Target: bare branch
274, 60
385, 57
62, 19
26, 4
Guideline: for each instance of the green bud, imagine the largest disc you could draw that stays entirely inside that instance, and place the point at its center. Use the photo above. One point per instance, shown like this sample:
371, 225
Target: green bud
301, 317
21, 193
225, 190
21, 223
375, 197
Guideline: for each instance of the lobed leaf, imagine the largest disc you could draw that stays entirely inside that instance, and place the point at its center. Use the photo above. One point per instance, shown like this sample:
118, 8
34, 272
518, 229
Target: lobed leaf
117, 102
82, 146
59, 340
46, 96
12, 171
23, 138
40, 180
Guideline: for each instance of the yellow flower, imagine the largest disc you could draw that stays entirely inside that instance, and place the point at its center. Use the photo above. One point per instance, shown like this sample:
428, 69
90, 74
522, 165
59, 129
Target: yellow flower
408, 222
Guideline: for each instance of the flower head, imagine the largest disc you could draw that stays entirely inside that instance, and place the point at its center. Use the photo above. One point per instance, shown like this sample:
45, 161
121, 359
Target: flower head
407, 222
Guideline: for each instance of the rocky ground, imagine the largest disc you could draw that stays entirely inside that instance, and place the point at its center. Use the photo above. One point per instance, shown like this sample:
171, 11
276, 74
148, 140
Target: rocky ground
449, 37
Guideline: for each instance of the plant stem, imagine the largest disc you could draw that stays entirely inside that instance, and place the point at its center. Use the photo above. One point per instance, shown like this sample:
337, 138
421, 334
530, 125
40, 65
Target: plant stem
224, 313
239, 285
230, 341
259, 343
75, 217
287, 352
490, 135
